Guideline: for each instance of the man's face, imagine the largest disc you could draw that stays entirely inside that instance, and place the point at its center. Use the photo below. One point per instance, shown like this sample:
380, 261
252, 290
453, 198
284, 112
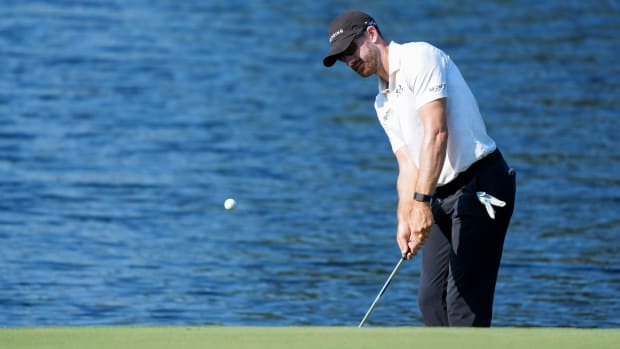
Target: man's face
360, 56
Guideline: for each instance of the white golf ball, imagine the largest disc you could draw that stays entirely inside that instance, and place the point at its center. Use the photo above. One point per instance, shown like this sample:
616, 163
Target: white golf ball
229, 204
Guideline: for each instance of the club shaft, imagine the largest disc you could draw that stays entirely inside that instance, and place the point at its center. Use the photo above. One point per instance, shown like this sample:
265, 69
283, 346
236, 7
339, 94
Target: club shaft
385, 286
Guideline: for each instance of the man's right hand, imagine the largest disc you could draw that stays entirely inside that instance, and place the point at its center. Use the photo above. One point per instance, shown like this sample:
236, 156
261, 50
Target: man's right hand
408, 248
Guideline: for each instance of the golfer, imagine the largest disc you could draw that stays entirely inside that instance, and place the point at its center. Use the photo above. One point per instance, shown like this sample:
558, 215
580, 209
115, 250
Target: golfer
455, 191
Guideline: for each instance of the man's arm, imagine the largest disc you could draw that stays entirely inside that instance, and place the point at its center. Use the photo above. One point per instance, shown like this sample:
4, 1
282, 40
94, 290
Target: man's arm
434, 143
405, 185
432, 156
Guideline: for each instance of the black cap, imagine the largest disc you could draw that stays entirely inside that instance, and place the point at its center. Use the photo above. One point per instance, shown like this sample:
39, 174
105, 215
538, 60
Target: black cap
343, 30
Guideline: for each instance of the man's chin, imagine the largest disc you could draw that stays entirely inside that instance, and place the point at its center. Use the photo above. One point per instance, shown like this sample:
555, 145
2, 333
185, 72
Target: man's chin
363, 73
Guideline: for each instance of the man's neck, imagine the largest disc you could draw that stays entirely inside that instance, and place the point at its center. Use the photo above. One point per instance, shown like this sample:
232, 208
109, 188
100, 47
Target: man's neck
383, 70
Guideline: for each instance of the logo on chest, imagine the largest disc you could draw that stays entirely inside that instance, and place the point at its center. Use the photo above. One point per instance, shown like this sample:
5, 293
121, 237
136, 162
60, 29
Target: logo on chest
399, 89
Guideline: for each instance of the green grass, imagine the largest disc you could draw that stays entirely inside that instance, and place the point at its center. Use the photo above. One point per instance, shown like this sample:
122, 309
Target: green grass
306, 337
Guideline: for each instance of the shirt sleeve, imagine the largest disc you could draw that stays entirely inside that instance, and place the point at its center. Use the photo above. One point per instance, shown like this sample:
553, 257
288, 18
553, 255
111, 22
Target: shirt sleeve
429, 80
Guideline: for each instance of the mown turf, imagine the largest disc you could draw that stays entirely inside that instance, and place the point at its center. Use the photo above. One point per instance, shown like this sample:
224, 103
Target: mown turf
306, 337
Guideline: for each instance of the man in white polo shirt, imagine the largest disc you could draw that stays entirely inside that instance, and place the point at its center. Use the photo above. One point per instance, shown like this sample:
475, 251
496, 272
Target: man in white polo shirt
455, 191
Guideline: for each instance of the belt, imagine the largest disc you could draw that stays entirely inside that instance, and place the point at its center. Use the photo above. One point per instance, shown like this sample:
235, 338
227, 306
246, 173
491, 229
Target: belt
465, 176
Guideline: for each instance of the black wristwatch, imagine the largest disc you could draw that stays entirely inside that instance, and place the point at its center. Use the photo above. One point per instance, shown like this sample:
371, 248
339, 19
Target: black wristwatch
421, 197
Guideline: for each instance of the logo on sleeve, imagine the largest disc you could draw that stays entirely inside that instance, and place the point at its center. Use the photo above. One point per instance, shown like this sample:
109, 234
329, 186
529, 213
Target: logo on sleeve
437, 88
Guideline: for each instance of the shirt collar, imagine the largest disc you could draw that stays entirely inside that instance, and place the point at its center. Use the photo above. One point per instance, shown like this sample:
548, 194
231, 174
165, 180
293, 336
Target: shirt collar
393, 67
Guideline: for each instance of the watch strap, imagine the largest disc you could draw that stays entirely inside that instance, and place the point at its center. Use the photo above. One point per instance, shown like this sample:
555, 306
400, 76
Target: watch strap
422, 197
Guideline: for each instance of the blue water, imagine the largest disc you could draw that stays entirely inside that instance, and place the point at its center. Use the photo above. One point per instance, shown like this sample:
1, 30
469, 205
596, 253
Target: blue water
124, 125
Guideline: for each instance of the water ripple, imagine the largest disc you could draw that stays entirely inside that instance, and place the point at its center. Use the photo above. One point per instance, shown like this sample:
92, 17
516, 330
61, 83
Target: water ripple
125, 126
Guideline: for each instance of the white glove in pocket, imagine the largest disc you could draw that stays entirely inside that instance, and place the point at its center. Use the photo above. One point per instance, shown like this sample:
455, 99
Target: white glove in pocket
489, 201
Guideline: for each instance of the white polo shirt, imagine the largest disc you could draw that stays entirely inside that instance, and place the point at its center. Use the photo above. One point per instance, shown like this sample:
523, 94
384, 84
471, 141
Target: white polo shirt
421, 73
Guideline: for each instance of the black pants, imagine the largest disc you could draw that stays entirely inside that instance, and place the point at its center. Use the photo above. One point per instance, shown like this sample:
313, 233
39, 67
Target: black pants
461, 256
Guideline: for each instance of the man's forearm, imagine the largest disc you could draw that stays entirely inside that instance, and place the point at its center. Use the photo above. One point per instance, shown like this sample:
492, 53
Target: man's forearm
434, 144
405, 184
432, 156
405, 188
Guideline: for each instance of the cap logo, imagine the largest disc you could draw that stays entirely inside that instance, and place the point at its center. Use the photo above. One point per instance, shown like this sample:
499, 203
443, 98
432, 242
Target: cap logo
334, 35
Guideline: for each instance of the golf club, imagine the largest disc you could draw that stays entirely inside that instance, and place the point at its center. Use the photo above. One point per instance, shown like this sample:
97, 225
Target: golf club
385, 286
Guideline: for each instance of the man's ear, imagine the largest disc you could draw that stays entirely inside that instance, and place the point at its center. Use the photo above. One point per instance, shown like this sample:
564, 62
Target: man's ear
374, 34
